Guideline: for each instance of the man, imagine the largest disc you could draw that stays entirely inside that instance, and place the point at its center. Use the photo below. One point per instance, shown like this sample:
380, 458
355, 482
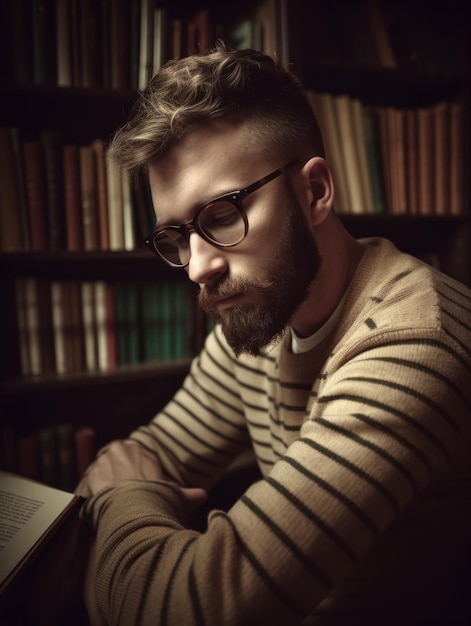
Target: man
344, 364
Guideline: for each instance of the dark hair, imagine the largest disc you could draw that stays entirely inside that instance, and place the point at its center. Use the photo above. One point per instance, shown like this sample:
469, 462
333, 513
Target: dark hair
243, 86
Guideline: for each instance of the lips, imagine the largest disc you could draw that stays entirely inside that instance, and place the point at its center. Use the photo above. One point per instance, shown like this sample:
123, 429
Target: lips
226, 302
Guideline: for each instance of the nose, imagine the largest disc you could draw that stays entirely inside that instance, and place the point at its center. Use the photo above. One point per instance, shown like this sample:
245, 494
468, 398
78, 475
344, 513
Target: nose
207, 262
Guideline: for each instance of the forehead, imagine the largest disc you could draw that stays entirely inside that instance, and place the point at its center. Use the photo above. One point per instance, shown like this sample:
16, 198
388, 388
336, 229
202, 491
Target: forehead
207, 163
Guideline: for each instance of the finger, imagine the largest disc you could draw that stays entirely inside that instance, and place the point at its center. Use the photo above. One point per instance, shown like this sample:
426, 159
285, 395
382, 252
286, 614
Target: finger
195, 496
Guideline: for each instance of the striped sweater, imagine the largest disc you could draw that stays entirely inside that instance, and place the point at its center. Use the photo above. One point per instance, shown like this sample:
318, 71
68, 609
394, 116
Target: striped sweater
363, 444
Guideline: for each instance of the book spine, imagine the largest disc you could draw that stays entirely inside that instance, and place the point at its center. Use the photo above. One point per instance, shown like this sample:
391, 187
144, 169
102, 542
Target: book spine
89, 325
66, 454
72, 198
64, 43
36, 194
58, 318
102, 194
44, 52
10, 226
90, 44
48, 444
53, 159
45, 325
99, 288
89, 198
32, 321
85, 448
21, 313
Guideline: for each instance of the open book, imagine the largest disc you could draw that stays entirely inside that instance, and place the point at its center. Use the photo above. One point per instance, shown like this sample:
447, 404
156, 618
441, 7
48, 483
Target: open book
32, 517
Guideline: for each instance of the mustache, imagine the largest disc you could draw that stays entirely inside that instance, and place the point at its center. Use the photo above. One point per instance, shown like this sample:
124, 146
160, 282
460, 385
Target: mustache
226, 287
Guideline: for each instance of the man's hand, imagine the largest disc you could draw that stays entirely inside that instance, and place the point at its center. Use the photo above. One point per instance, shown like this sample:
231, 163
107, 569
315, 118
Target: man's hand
127, 460
122, 460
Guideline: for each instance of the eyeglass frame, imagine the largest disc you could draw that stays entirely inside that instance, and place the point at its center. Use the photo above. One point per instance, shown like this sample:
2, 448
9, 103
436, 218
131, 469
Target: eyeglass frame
233, 197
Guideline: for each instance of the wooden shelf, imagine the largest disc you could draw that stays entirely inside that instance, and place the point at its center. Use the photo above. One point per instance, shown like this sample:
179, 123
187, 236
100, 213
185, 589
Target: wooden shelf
420, 233
383, 86
79, 114
120, 375
125, 265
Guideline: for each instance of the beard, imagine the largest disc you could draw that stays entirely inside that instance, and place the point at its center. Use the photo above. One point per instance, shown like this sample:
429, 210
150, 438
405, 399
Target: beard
294, 266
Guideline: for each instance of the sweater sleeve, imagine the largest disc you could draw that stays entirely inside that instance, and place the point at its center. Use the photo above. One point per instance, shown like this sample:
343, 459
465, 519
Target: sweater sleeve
388, 420
202, 429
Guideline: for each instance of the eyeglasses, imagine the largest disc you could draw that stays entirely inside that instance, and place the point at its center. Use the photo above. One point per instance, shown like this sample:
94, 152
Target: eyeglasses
221, 222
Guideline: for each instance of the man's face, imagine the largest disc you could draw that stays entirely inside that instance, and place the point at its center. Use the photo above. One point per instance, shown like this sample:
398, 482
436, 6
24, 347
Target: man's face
278, 291
254, 288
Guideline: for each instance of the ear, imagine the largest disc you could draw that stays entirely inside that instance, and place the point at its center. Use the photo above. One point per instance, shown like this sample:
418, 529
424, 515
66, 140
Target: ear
319, 189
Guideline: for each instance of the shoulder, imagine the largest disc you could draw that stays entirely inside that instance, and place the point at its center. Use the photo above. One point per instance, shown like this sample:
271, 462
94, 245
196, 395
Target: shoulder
399, 290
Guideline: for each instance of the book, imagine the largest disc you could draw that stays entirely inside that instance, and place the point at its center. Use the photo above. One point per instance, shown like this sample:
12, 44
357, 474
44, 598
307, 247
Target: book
85, 448
395, 129
456, 164
379, 33
120, 44
58, 319
89, 325
33, 517
110, 327
10, 225
63, 43
90, 43
128, 216
32, 325
29, 460
160, 42
323, 105
151, 327
425, 159
21, 316
101, 335
73, 198
373, 154
362, 157
73, 326
134, 43
49, 452
21, 187
52, 147
22, 41
411, 163
98, 148
266, 13
89, 196
66, 451
45, 325
349, 153
146, 51
44, 42
115, 206
440, 174
35, 177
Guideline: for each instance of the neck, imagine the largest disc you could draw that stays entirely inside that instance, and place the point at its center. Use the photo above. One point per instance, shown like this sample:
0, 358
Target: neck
341, 254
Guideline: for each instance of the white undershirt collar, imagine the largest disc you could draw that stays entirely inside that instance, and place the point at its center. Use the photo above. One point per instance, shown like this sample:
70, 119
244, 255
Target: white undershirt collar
303, 344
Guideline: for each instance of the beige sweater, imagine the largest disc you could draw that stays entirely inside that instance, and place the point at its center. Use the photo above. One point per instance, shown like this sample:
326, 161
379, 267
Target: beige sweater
363, 443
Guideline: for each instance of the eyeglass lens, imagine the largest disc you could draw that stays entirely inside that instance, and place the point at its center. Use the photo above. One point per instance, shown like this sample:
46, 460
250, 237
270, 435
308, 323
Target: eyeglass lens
221, 222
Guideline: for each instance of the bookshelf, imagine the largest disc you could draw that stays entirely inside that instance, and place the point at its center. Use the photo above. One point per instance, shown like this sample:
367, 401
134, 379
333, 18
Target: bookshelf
82, 109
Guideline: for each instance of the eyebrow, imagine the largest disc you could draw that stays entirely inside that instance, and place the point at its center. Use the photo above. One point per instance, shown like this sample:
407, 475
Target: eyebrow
195, 208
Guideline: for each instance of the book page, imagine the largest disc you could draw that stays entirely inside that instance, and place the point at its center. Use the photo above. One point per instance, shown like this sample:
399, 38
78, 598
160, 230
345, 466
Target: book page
27, 510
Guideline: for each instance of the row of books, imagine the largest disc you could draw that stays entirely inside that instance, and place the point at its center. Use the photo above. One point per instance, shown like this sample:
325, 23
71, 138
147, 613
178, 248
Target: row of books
120, 44
85, 43
56, 455
393, 160
75, 326
61, 196
382, 33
